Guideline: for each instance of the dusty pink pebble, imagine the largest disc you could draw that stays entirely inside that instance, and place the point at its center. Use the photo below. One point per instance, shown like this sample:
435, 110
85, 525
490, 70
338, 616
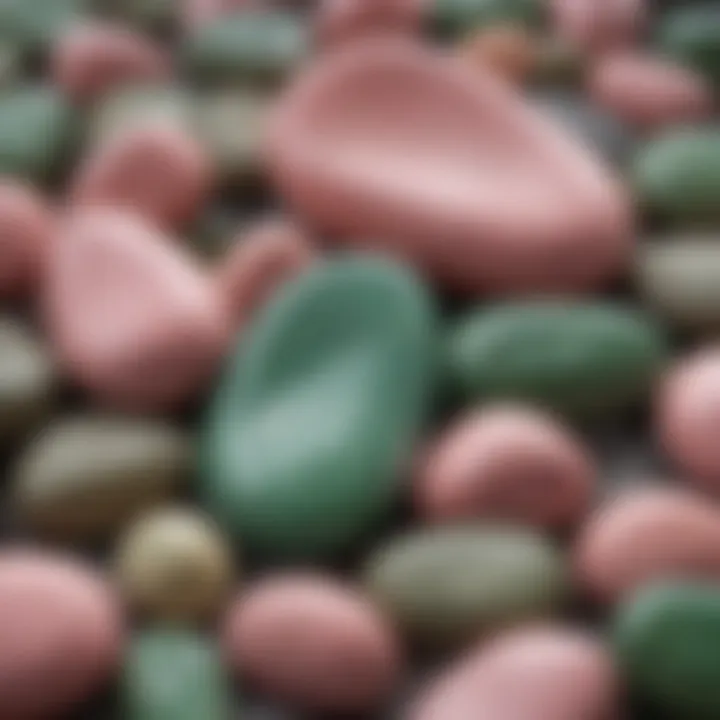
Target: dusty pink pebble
509, 463
649, 92
131, 317
92, 58
61, 635
313, 642
26, 227
341, 20
158, 170
263, 258
599, 24
688, 417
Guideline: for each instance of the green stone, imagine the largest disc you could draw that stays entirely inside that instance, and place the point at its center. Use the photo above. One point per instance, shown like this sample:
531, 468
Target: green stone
583, 358
691, 35
446, 586
257, 45
458, 17
668, 649
231, 124
677, 176
319, 407
174, 675
38, 133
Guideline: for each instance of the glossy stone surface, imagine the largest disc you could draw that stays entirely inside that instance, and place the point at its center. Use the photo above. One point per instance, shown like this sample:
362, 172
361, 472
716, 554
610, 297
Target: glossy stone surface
447, 586
690, 34
457, 17
28, 381
360, 165
173, 565
667, 647
174, 675
677, 175
679, 277
584, 359
306, 433
85, 477
37, 133
257, 45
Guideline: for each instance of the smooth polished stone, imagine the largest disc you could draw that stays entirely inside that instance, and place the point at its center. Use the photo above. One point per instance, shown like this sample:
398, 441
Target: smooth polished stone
305, 436
521, 207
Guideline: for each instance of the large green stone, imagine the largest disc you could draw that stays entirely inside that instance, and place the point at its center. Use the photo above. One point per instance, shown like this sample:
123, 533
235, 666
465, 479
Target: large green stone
306, 434
38, 132
458, 17
174, 675
668, 649
691, 34
257, 45
582, 358
445, 586
677, 176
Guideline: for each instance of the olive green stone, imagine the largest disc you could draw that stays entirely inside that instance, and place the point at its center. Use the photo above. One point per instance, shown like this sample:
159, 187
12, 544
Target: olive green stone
668, 649
232, 123
679, 277
691, 35
677, 176
583, 358
448, 585
320, 404
258, 45
134, 106
27, 381
174, 675
458, 17
38, 131
84, 477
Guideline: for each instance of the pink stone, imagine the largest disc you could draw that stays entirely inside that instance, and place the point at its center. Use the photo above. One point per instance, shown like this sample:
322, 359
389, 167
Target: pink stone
26, 226
598, 24
262, 259
196, 13
387, 145
92, 58
342, 20
129, 315
61, 634
649, 92
158, 170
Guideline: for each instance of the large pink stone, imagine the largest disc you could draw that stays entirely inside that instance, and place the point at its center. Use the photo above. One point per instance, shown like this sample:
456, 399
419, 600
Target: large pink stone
92, 58
649, 92
130, 316
342, 20
387, 145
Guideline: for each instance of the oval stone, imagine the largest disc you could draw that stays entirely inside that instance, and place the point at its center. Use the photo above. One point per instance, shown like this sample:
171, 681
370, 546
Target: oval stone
580, 358
679, 277
547, 673
62, 634
38, 130
458, 17
691, 35
84, 477
174, 675
448, 585
361, 168
665, 647
132, 318
677, 175
260, 45
319, 404
28, 381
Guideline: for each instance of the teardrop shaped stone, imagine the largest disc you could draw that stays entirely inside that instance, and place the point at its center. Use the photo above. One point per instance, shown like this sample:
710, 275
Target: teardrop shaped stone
131, 317
305, 435
388, 145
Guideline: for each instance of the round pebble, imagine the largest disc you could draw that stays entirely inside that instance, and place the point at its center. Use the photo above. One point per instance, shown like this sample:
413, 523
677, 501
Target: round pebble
174, 565
314, 642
